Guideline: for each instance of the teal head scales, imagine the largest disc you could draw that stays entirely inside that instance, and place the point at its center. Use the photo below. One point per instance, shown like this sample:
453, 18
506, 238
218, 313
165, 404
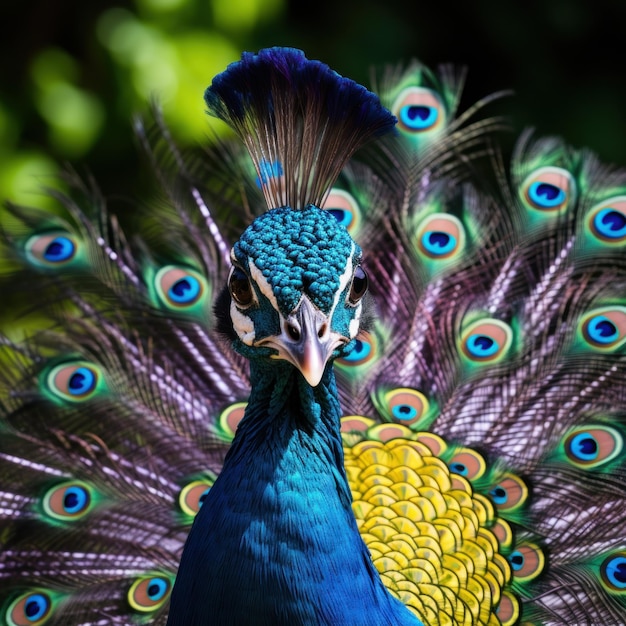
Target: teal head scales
298, 252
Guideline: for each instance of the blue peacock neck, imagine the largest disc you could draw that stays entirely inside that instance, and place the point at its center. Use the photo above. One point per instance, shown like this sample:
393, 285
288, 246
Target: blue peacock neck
276, 541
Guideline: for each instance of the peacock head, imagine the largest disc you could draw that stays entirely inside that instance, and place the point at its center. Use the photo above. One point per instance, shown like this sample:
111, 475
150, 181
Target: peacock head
296, 289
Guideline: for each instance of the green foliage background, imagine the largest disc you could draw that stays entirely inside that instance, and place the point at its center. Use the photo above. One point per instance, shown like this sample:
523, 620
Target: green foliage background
73, 72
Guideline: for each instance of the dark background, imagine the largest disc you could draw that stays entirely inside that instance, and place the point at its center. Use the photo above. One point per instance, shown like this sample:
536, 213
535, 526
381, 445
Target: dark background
563, 59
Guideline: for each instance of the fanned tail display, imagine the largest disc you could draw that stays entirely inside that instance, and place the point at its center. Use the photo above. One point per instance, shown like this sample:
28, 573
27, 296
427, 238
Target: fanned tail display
344, 374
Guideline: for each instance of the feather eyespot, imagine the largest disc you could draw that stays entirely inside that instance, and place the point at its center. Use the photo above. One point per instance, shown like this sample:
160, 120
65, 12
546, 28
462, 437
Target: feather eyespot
467, 463
486, 341
613, 572
356, 357
179, 288
419, 110
31, 609
358, 287
605, 328
527, 562
192, 496
149, 593
503, 533
68, 502
509, 494
548, 189
51, 249
363, 351
229, 419
607, 220
240, 288
592, 446
508, 609
356, 424
404, 405
441, 236
75, 382
344, 208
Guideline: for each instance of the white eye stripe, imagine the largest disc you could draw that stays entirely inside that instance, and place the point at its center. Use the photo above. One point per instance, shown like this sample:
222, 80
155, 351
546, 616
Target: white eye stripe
261, 282
242, 323
344, 282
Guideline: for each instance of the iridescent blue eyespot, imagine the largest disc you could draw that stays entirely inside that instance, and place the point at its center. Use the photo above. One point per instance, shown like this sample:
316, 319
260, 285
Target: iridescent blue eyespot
527, 562
545, 195
610, 223
613, 571
606, 221
52, 250
516, 559
499, 495
601, 329
549, 190
75, 381
30, 609
69, 501
360, 352
344, 208
584, 447
418, 117
60, 249
149, 593
481, 346
75, 500
438, 243
157, 588
441, 236
592, 445
403, 404
420, 112
469, 463
82, 381
605, 328
459, 468
509, 493
404, 412
180, 289
36, 607
185, 290
486, 340
343, 217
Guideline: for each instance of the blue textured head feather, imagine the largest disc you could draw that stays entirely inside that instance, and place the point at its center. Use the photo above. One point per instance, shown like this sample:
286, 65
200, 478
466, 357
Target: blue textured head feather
298, 252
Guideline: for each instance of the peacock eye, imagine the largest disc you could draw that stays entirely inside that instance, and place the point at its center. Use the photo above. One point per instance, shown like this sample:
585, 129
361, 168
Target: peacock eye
419, 110
359, 285
240, 287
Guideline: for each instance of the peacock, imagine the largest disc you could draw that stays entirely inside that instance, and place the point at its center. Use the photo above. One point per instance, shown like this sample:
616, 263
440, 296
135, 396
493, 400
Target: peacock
353, 367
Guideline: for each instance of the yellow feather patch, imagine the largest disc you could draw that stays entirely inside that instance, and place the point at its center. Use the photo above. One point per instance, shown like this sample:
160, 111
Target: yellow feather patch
427, 532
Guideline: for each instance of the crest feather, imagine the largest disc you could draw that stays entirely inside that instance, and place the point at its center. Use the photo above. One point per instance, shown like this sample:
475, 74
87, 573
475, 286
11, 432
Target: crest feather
299, 120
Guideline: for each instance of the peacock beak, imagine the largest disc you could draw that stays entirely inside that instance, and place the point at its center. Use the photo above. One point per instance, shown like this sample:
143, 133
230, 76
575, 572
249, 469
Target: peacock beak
306, 341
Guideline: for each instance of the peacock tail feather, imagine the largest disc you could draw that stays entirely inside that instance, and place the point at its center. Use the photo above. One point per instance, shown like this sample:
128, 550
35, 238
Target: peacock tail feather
461, 463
